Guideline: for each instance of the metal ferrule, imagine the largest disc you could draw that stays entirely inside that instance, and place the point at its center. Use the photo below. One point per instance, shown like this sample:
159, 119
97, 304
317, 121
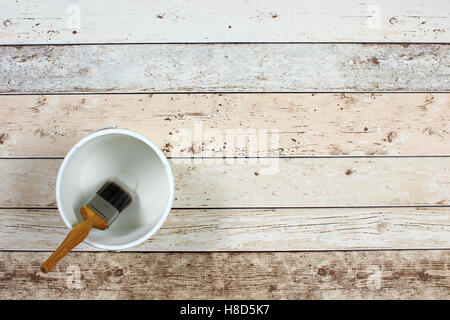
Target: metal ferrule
103, 209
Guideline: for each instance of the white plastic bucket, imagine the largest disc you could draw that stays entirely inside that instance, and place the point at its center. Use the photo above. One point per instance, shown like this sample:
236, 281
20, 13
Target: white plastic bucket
131, 157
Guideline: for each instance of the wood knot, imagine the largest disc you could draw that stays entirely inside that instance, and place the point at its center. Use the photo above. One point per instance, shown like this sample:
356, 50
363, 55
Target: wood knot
3, 138
322, 271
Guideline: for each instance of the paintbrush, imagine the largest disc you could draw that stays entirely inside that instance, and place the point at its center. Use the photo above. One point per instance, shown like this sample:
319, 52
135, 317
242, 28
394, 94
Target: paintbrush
99, 212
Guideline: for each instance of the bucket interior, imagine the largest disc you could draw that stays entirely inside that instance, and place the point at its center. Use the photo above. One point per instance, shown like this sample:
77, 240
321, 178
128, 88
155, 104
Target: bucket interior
113, 156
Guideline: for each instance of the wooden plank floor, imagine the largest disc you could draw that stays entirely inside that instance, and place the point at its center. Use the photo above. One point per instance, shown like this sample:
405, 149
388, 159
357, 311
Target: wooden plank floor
311, 160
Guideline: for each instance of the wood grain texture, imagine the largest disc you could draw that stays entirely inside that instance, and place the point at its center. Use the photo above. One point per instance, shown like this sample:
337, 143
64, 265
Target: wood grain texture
225, 68
55, 21
198, 125
293, 275
253, 230
386, 194
271, 182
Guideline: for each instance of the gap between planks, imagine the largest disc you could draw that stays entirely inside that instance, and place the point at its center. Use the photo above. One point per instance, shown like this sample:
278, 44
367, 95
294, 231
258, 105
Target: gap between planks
13, 45
73, 93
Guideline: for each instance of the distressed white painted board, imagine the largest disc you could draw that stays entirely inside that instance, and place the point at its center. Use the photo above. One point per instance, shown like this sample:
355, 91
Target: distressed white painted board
270, 182
83, 21
199, 125
253, 230
225, 67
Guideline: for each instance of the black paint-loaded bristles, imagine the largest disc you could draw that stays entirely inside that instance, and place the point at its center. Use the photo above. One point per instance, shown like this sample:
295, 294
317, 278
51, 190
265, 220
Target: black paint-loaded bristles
115, 195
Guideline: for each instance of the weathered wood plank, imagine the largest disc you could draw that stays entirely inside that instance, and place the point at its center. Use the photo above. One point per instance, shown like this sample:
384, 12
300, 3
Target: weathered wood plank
253, 230
225, 67
288, 275
198, 125
275, 182
223, 21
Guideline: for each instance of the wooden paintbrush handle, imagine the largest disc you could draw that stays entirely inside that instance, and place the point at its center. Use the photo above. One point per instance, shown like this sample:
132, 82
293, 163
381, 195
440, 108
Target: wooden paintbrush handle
75, 237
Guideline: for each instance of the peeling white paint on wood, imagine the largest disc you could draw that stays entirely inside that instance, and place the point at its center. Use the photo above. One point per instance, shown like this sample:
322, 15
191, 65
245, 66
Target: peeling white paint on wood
193, 125
323, 124
112, 21
253, 230
270, 182
225, 68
